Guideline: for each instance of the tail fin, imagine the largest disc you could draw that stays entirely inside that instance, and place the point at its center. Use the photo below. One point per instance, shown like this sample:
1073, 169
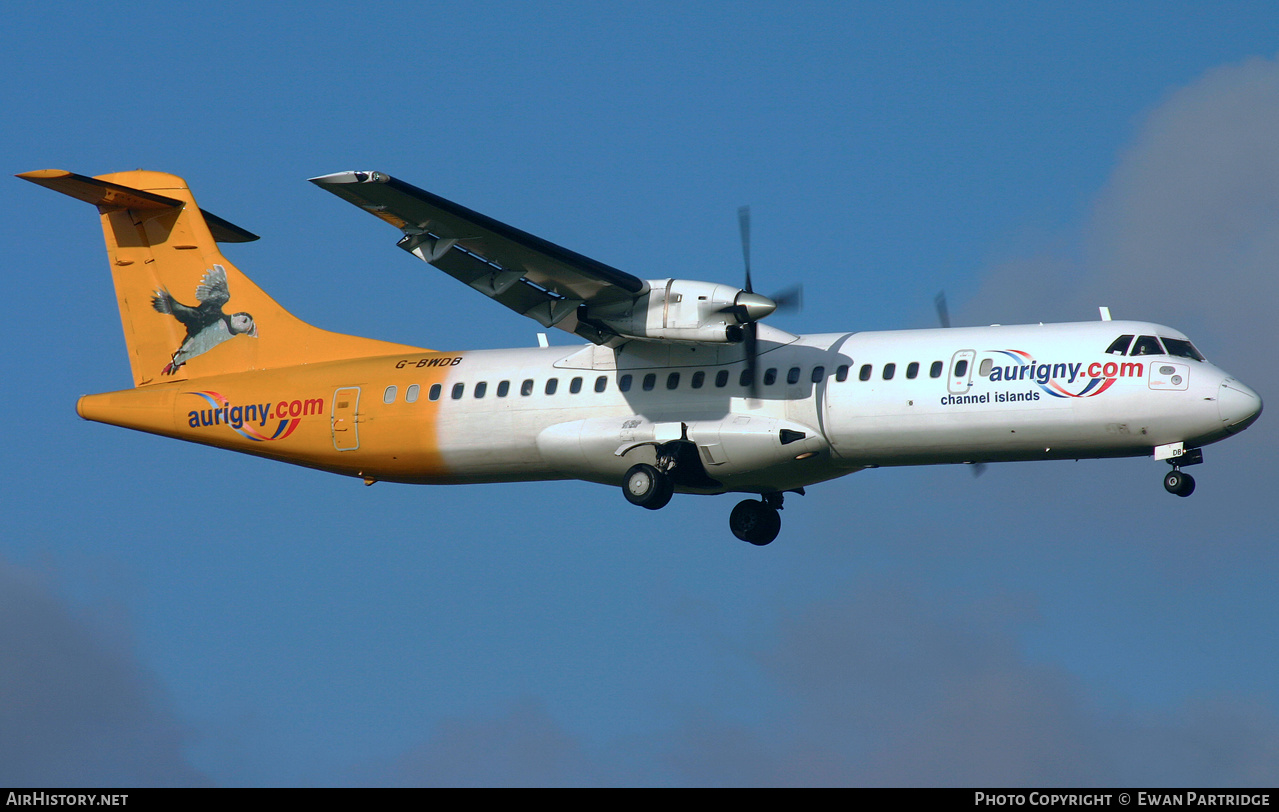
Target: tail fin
187, 312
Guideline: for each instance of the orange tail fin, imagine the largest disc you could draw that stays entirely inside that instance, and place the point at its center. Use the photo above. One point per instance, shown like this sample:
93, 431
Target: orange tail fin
187, 312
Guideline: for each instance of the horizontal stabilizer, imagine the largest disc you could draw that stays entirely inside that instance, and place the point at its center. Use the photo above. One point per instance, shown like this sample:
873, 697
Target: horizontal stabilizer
107, 195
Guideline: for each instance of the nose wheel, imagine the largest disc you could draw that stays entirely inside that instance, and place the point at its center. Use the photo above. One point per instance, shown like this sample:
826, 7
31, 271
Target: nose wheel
1175, 482
1178, 483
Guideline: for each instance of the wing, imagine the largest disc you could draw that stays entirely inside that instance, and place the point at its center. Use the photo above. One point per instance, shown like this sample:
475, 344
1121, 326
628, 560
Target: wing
529, 275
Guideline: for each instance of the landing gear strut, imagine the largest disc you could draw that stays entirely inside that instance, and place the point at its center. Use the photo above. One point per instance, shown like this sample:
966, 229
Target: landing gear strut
1178, 483
757, 522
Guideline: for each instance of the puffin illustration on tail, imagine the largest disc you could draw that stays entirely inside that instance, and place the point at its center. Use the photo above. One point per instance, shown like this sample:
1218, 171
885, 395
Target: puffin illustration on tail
207, 326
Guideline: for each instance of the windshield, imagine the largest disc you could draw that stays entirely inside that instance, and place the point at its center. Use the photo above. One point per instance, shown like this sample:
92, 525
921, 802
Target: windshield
1146, 345
1182, 348
1120, 345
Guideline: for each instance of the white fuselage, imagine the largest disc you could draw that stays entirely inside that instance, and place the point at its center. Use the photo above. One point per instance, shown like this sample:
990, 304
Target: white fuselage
826, 405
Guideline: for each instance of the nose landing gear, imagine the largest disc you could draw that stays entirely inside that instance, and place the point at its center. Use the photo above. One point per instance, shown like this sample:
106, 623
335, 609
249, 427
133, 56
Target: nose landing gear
1178, 483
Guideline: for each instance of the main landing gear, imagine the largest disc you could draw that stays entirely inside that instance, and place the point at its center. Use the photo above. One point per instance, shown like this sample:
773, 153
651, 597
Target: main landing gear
753, 520
1178, 483
647, 487
757, 521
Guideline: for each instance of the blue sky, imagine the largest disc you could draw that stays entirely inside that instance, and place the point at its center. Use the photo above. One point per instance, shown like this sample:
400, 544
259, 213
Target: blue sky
171, 614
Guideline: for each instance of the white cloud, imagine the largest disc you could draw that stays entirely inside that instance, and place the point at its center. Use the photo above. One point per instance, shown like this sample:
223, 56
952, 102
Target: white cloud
1185, 232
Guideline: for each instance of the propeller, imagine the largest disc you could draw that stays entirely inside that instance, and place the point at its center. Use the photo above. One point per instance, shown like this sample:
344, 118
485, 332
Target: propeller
749, 307
750, 327
789, 300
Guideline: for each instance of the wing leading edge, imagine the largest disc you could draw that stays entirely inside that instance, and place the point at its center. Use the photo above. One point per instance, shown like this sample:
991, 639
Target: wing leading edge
528, 274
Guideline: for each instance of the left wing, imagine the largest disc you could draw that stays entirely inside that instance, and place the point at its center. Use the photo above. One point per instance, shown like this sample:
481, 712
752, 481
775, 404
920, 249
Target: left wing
533, 277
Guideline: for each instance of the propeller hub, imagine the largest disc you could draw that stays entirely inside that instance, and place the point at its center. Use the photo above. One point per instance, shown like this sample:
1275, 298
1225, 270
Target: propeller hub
753, 306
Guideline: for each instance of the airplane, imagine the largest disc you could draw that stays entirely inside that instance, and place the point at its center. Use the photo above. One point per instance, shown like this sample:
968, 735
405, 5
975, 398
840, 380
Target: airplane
679, 386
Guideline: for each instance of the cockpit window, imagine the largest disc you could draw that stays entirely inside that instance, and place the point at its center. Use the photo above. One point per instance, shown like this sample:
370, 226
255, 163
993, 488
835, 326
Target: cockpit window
1182, 348
1120, 345
1146, 345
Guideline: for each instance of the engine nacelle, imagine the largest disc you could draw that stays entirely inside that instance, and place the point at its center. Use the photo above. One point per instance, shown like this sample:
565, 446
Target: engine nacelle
685, 310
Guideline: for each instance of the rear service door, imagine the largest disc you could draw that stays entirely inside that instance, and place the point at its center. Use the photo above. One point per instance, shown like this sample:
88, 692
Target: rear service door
346, 402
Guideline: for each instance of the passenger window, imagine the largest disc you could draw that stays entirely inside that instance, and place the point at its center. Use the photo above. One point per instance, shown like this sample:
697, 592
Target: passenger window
721, 378
410, 394
1146, 345
889, 371
650, 380
912, 370
601, 383
770, 376
672, 380
434, 392
624, 383
793, 375
699, 378
389, 395
818, 374
503, 388
458, 389
864, 374
986, 365
745, 378
481, 388
841, 373
1119, 346
551, 385
935, 370
575, 386
526, 388
961, 367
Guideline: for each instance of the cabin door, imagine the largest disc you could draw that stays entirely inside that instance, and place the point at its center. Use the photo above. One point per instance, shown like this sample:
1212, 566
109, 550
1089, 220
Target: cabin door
961, 371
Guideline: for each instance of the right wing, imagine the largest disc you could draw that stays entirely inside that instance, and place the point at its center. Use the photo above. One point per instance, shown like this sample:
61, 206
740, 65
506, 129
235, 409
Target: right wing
529, 275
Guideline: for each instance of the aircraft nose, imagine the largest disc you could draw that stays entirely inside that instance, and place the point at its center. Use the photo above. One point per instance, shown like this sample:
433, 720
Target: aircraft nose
1239, 405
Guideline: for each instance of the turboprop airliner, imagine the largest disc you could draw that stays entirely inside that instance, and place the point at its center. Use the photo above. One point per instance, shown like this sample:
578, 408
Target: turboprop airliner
679, 386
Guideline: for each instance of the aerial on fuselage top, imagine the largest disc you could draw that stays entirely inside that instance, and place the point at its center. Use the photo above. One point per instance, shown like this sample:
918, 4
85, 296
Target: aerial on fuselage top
679, 387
